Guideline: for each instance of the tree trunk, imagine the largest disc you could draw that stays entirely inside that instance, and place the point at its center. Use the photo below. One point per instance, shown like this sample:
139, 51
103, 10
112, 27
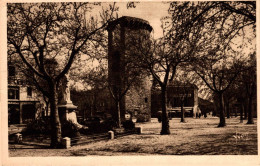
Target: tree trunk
84, 114
118, 114
47, 102
91, 108
182, 112
227, 109
55, 120
241, 113
250, 116
47, 108
222, 122
245, 108
165, 120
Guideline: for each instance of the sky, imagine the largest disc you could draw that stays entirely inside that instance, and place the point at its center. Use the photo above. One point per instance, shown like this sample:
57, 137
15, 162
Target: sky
149, 11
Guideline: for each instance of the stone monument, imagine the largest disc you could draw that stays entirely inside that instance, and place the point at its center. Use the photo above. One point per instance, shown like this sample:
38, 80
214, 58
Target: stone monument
67, 110
66, 92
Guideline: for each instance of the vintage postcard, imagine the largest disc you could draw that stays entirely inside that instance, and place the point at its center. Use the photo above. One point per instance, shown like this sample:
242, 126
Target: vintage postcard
129, 83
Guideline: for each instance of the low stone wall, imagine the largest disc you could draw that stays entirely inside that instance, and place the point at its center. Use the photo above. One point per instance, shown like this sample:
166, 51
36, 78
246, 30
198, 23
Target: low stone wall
68, 142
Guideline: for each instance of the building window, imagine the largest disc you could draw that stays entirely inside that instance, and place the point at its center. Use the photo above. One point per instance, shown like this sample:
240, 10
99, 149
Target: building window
29, 91
11, 71
13, 92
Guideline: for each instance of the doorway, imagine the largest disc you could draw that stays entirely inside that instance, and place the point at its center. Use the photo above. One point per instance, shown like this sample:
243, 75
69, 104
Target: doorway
13, 114
28, 113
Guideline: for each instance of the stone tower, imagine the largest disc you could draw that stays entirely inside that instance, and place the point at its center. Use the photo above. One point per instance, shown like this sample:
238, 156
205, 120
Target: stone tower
119, 46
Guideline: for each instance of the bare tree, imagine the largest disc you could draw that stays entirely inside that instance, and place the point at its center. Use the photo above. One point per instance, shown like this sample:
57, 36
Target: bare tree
220, 66
127, 74
243, 90
41, 31
161, 60
184, 86
218, 78
179, 44
246, 9
220, 62
229, 98
248, 77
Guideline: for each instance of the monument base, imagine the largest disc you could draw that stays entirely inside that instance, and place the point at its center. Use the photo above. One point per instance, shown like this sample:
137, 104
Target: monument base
64, 111
119, 130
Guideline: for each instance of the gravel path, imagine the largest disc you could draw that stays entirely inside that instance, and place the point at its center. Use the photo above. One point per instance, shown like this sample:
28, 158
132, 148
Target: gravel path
195, 137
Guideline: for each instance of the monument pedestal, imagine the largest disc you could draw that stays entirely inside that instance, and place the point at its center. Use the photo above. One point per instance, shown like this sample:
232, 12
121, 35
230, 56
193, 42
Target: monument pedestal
64, 110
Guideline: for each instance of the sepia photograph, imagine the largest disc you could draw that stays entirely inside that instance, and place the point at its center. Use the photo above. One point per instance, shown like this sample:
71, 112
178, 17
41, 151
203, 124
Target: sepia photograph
130, 79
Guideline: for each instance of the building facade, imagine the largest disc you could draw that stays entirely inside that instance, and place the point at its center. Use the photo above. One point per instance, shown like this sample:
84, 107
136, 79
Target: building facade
24, 102
176, 96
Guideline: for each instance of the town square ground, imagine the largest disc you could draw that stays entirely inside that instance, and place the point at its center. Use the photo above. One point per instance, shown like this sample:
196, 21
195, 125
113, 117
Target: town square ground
195, 137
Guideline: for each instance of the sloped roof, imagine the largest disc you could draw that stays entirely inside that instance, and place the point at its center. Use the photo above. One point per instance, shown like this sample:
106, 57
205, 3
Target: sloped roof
205, 102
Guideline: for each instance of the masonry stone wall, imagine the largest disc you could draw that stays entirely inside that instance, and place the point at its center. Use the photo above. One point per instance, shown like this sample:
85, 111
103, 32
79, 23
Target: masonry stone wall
121, 33
139, 99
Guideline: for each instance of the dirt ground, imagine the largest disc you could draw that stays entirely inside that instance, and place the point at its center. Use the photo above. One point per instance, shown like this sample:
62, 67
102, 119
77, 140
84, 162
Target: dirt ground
195, 137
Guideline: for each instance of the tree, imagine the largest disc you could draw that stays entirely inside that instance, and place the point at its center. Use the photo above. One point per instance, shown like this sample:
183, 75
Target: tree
229, 97
218, 76
184, 86
248, 77
98, 81
246, 9
122, 76
179, 44
161, 60
243, 90
245, 12
40, 32
130, 80
220, 28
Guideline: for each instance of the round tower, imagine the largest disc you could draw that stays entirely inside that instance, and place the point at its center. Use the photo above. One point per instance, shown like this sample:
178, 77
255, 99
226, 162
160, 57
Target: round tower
122, 33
